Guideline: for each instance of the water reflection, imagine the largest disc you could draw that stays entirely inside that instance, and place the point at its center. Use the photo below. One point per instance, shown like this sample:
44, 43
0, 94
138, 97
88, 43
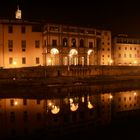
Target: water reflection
52, 115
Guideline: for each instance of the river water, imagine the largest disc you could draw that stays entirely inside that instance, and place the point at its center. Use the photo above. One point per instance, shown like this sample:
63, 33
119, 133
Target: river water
109, 111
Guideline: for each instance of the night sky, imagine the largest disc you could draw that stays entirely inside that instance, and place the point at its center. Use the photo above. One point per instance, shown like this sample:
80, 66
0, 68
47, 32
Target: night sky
119, 16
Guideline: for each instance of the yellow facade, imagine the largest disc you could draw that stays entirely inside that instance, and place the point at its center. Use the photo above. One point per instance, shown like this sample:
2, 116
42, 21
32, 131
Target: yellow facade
126, 51
25, 44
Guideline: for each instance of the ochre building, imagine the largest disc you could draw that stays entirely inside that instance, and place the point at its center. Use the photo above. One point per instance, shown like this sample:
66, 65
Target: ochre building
27, 43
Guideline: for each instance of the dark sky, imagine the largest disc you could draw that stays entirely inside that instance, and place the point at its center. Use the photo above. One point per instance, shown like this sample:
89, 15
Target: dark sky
120, 16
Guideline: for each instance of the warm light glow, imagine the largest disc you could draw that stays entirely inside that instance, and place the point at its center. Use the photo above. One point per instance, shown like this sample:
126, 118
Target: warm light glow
135, 93
90, 106
49, 104
14, 63
54, 51
55, 110
135, 62
111, 61
73, 107
110, 96
49, 61
71, 100
73, 52
89, 52
83, 99
15, 103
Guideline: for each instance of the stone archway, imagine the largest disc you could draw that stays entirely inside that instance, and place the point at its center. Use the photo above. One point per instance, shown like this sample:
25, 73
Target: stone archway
73, 57
90, 57
54, 57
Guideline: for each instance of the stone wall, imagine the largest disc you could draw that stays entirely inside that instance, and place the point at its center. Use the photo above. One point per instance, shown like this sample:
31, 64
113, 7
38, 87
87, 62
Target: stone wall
77, 71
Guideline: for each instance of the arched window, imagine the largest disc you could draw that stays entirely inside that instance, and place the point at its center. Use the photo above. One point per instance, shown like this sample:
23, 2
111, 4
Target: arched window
73, 41
54, 51
81, 43
65, 42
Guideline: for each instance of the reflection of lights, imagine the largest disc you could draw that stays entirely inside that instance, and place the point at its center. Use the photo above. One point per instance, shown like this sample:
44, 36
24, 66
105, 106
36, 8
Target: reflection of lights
83, 99
15, 103
50, 104
55, 109
90, 106
71, 100
73, 107
135, 93
110, 96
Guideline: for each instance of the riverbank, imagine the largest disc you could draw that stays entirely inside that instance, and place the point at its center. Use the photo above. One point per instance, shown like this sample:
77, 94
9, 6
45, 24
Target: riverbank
67, 81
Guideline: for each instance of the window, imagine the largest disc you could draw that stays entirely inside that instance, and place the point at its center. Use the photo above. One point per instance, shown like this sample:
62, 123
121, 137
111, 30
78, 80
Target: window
10, 45
12, 102
12, 116
73, 41
38, 116
38, 101
25, 116
90, 44
10, 60
124, 55
23, 29
37, 44
23, 45
54, 43
119, 55
65, 42
10, 29
36, 28
81, 43
23, 60
37, 60
24, 101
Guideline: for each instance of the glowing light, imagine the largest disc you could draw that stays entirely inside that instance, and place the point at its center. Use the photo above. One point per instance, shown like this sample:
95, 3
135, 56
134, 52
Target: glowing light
135, 62
49, 104
73, 107
54, 51
89, 52
71, 100
55, 109
83, 99
110, 96
15, 103
73, 52
135, 93
111, 61
90, 106
14, 63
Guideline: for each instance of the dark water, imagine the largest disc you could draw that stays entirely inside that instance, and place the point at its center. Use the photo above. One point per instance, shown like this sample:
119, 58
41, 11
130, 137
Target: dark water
110, 111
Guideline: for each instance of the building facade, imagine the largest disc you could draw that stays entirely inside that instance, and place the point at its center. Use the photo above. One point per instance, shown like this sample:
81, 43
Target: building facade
25, 44
126, 50
20, 44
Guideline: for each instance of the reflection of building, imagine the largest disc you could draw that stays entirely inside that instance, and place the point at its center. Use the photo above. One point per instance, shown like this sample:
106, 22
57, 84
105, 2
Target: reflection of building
46, 115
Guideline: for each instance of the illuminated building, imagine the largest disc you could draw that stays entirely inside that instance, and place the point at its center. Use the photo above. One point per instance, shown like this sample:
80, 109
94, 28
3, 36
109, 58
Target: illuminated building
126, 50
26, 43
